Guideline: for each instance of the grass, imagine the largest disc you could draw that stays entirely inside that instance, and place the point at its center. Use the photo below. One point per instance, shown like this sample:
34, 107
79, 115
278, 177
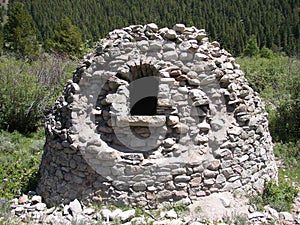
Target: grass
290, 154
281, 196
20, 157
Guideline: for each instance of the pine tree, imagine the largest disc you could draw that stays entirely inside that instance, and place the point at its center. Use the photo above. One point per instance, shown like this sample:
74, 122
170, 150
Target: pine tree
251, 48
20, 32
66, 40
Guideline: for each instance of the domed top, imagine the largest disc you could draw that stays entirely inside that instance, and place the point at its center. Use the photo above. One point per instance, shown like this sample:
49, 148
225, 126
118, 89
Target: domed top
156, 114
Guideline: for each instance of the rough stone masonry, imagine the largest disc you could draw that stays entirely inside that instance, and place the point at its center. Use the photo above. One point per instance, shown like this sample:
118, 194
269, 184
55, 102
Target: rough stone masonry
155, 115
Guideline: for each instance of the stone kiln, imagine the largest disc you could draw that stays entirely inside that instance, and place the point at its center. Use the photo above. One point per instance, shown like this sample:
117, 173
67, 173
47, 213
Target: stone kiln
154, 115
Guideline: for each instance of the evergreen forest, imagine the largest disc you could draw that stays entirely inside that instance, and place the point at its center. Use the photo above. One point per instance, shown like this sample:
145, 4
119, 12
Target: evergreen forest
275, 23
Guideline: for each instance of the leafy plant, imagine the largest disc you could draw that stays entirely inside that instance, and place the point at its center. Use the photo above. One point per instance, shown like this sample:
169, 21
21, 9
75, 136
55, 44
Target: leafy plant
278, 196
5, 214
26, 90
236, 219
277, 81
19, 165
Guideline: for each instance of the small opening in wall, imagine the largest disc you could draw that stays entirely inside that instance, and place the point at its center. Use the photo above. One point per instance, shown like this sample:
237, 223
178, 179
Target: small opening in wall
146, 107
143, 96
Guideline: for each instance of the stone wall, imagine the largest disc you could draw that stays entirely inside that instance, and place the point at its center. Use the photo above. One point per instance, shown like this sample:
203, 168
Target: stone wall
207, 130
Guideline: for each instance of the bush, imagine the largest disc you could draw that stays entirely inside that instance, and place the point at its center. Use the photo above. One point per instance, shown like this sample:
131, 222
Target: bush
19, 162
26, 89
290, 153
277, 81
279, 197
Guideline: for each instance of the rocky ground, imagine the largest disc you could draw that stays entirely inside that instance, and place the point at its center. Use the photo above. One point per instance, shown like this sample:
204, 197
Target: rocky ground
219, 208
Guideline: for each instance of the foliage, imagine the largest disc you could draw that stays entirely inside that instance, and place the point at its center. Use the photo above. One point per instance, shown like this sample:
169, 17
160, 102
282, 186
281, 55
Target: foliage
274, 23
27, 90
67, 39
20, 32
278, 196
277, 81
236, 219
290, 154
19, 162
6, 217
251, 48
266, 53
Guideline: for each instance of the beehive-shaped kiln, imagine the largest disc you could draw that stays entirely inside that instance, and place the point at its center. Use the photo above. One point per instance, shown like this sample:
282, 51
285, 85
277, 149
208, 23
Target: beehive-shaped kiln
153, 115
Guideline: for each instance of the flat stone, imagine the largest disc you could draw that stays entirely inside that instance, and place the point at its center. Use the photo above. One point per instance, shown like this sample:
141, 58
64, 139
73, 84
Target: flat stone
36, 199
170, 55
23, 199
126, 215
179, 28
255, 215
75, 207
214, 165
89, 211
171, 214
286, 216
40, 206
105, 213
182, 178
139, 186
200, 57
172, 120
152, 27
226, 202
273, 213
171, 34
194, 82
169, 142
115, 214
141, 121
195, 182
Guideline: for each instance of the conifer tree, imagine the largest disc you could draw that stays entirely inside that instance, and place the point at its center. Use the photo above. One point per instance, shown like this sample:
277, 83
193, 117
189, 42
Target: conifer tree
251, 48
67, 39
20, 32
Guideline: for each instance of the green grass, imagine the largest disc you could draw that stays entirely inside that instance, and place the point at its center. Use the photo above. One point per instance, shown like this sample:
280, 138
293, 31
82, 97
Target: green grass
290, 154
20, 157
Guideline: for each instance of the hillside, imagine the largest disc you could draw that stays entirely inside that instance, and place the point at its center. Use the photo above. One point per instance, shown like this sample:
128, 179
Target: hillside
275, 23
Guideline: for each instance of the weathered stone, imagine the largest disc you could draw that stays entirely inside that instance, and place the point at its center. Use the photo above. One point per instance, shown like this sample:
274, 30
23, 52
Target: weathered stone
169, 142
171, 214
139, 186
171, 34
182, 178
170, 55
286, 216
198, 126
40, 206
75, 207
23, 199
255, 215
36, 199
179, 28
126, 215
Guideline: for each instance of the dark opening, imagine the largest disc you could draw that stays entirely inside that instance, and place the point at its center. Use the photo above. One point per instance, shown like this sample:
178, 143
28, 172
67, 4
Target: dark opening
146, 107
143, 96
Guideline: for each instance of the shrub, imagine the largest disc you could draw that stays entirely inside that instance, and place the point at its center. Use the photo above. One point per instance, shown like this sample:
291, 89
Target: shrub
19, 163
277, 81
26, 89
279, 197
